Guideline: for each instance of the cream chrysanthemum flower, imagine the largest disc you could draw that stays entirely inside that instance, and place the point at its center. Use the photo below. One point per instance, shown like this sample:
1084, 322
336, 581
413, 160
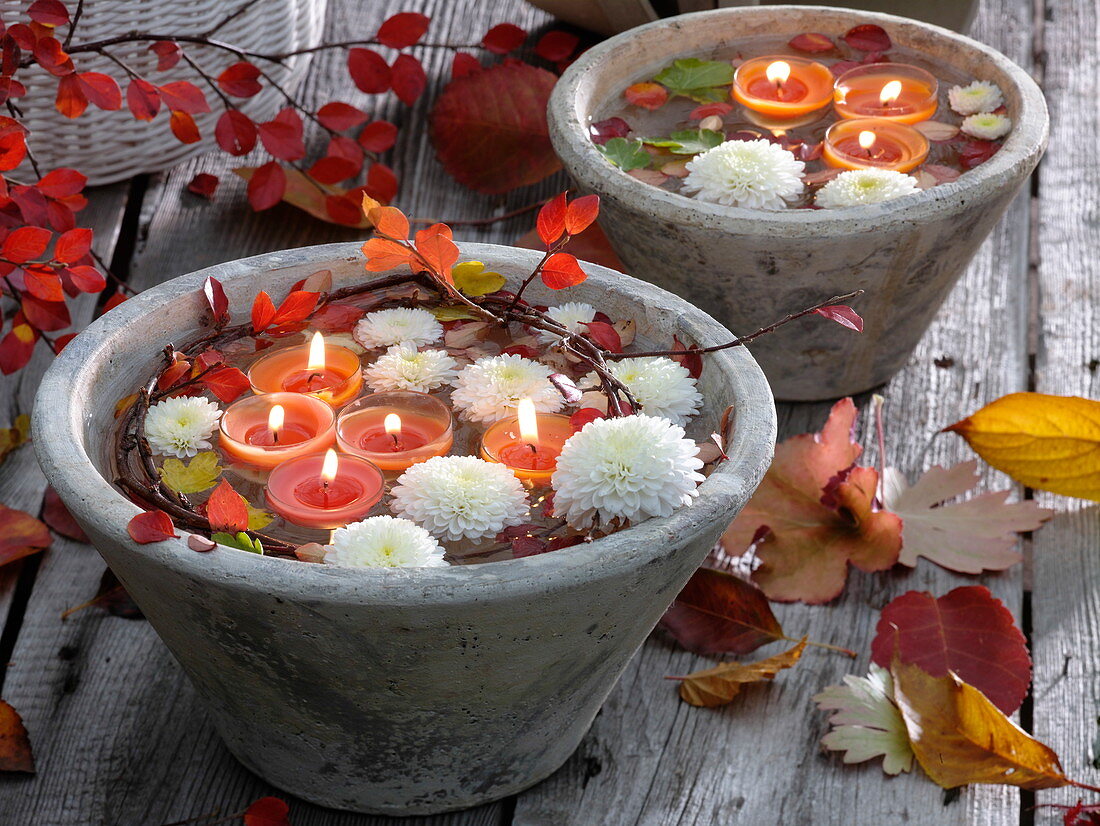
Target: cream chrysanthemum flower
491, 387
384, 542
661, 386
403, 367
181, 426
573, 315
400, 325
631, 468
979, 96
988, 126
755, 174
455, 497
864, 186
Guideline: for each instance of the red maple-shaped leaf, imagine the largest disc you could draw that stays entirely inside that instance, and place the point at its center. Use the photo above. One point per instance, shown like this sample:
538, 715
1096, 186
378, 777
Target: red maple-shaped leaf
407, 79
489, 129
226, 510
814, 514
719, 613
240, 80
403, 29
369, 71
812, 42
235, 132
15, 744
267, 811
581, 213
143, 99
216, 300
151, 526
504, 38
227, 383
557, 46
562, 270
57, 516
550, 223
648, 95
340, 117
967, 631
868, 38
20, 535
204, 185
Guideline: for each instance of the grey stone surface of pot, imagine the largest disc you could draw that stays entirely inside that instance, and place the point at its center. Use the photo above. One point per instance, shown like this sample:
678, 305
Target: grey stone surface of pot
394, 691
750, 267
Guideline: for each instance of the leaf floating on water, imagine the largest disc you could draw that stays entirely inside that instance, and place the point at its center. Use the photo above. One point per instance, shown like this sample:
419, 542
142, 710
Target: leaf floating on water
199, 474
647, 95
701, 80
627, 155
688, 141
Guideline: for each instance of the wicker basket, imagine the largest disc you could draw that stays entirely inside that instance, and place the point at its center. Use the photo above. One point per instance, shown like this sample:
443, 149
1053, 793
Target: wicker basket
112, 146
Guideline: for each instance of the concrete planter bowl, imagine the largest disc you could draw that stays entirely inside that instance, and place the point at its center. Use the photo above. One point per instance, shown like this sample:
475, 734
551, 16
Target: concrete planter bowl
395, 692
749, 267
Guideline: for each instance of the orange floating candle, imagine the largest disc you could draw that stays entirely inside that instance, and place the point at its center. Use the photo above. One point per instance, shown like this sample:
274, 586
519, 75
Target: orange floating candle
896, 91
328, 372
783, 89
395, 430
528, 444
324, 490
264, 431
874, 143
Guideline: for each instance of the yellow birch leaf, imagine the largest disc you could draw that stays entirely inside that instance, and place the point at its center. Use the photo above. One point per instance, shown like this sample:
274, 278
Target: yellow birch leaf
960, 737
257, 519
200, 474
717, 686
1045, 442
473, 280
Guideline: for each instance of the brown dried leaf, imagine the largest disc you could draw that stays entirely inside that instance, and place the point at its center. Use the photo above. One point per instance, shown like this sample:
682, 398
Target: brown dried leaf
717, 686
15, 745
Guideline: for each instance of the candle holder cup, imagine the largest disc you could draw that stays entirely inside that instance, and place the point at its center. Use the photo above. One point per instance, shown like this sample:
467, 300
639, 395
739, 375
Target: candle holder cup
801, 98
287, 370
504, 443
896, 145
244, 436
426, 429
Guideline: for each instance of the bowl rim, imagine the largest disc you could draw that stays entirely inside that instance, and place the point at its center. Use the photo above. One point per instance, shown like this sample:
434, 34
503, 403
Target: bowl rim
569, 135
62, 452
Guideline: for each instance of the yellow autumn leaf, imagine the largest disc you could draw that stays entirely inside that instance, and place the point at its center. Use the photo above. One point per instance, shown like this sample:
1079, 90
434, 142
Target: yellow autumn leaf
959, 737
15, 436
257, 519
451, 313
201, 473
1045, 442
717, 686
473, 279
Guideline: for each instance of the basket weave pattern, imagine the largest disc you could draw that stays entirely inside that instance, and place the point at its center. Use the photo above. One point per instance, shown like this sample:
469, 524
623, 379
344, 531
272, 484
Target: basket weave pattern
112, 146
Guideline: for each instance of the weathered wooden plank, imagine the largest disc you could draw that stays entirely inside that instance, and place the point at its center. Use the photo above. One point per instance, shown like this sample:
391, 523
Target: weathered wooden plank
1066, 597
649, 759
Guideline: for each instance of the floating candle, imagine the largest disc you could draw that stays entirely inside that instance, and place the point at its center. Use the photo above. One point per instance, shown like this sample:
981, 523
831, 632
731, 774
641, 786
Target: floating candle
264, 431
395, 430
896, 91
874, 143
324, 490
529, 444
783, 89
328, 372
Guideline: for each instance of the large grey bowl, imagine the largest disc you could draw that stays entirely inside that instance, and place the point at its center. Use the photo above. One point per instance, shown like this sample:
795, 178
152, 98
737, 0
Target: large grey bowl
750, 267
395, 691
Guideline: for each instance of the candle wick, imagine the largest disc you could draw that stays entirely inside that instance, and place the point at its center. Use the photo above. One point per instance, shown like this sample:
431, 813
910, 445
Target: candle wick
534, 449
396, 441
275, 437
312, 377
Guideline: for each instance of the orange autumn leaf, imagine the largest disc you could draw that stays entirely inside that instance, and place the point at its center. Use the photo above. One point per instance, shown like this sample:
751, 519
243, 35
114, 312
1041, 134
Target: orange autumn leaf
436, 247
226, 510
648, 95
383, 254
386, 220
20, 535
717, 686
15, 745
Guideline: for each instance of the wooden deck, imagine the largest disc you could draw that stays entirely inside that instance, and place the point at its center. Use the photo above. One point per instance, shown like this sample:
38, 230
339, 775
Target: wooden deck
122, 740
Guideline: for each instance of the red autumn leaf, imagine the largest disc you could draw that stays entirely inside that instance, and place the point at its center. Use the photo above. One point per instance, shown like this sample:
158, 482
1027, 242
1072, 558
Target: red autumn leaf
369, 71
973, 152
70, 100
557, 46
843, 315
708, 109
101, 89
814, 514
504, 38
550, 223
693, 361
235, 132
267, 811
339, 116
868, 38
113, 598
51, 56
151, 526
331, 170
967, 631
381, 183
43, 283
604, 335
402, 29
15, 744
464, 64
85, 278
168, 54
61, 342
143, 99
812, 42
266, 186
490, 131
184, 96
174, 373
562, 270
842, 66
226, 510
719, 613
203, 184
17, 347
942, 174
335, 317
73, 245
282, 135
185, 129
114, 301
408, 79
378, 136
584, 416
58, 518
227, 383
436, 247
61, 183
216, 300
48, 12
13, 149
603, 131
581, 213
343, 210
25, 243
648, 95
295, 307
240, 80
20, 535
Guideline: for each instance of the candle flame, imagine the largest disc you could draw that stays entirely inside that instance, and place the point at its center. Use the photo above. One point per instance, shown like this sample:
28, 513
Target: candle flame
778, 72
316, 361
890, 92
528, 421
330, 466
866, 139
276, 418
392, 423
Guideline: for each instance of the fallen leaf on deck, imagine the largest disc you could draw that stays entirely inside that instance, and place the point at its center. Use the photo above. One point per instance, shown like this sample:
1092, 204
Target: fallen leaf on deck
57, 516
717, 686
14, 436
20, 535
267, 811
866, 723
15, 745
114, 598
199, 474
976, 535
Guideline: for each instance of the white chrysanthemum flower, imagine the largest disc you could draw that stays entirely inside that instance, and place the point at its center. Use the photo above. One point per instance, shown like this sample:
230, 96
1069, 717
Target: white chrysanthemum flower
460, 496
573, 316
181, 426
403, 367
864, 186
491, 387
755, 174
631, 467
384, 542
662, 386
988, 126
979, 96
400, 325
